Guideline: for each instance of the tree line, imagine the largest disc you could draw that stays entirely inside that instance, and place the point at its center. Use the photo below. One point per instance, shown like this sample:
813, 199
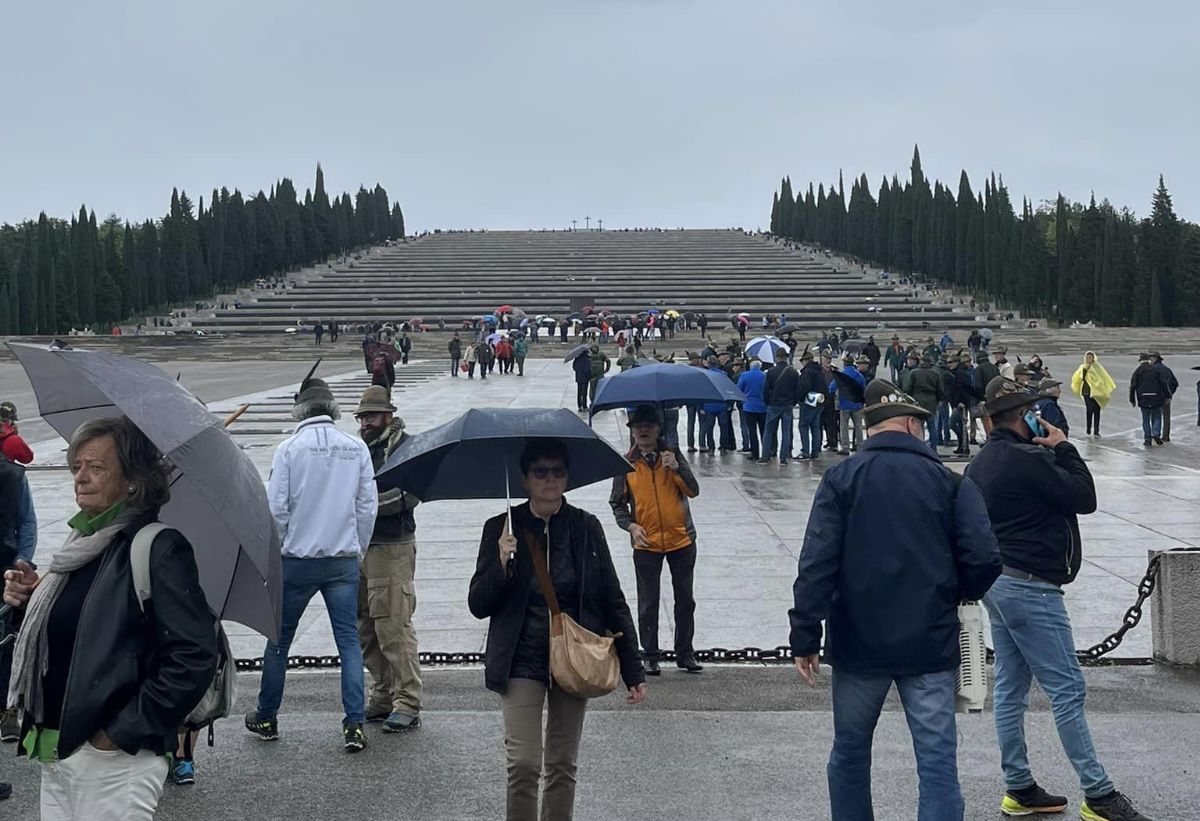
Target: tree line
57, 275
1064, 260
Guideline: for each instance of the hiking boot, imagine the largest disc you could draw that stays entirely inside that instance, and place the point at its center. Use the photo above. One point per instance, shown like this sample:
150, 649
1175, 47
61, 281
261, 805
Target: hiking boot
355, 738
377, 713
183, 773
1112, 807
1031, 801
399, 722
266, 729
10, 727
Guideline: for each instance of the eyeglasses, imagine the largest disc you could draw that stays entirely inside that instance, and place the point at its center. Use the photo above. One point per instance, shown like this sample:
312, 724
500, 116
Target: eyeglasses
542, 472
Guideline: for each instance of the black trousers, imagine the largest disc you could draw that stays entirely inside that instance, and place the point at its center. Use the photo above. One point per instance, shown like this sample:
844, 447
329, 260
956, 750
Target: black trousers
1093, 413
830, 424
756, 423
581, 395
647, 566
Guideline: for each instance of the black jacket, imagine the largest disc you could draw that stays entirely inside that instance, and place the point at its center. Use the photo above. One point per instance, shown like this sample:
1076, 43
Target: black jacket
135, 676
1148, 387
985, 372
886, 570
1033, 496
811, 381
11, 476
588, 591
781, 387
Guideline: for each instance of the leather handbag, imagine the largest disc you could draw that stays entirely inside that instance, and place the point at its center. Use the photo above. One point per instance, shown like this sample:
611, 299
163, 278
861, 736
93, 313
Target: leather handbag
582, 663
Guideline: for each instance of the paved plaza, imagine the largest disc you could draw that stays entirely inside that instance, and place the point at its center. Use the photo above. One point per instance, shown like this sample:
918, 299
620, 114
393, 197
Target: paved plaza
737, 742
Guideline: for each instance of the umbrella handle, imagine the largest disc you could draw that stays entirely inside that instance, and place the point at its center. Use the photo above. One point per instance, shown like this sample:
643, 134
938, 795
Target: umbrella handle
509, 566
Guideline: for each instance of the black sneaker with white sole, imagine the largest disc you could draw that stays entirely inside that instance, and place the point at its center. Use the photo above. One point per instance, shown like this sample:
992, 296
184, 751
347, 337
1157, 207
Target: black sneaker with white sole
266, 729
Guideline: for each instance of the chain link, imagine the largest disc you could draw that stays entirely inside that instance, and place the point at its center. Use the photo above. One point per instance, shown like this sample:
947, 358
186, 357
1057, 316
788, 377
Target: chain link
782, 654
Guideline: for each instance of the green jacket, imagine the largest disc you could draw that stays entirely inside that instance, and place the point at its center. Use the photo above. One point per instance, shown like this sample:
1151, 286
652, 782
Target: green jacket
600, 364
394, 520
926, 386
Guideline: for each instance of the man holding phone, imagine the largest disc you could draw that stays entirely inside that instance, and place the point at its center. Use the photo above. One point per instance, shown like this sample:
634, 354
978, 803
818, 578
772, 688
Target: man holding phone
1035, 484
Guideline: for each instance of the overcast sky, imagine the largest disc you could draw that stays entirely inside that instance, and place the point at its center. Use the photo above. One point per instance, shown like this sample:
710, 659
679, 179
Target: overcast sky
528, 113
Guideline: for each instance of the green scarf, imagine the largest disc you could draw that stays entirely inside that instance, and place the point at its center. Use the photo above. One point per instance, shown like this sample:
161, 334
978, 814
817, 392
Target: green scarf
89, 525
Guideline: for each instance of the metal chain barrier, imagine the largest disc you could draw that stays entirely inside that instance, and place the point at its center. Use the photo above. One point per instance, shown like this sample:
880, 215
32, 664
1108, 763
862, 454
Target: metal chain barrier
1091, 656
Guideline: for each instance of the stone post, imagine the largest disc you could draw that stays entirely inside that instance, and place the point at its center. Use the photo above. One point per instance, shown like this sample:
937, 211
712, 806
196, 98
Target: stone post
1175, 608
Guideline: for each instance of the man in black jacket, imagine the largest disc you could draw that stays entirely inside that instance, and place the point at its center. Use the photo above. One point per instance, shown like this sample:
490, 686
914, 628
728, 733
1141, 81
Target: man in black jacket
1034, 487
985, 372
811, 392
887, 576
779, 392
1171, 384
1148, 391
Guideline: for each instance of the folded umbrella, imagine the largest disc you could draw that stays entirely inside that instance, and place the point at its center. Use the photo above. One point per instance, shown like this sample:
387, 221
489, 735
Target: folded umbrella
218, 500
477, 455
668, 385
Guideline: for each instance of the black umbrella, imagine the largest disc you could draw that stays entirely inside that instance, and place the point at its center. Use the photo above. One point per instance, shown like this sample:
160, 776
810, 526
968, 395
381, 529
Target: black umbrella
576, 352
217, 496
477, 455
788, 329
850, 389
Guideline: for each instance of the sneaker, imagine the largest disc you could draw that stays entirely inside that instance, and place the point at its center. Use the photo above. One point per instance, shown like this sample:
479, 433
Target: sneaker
183, 773
399, 722
354, 737
1031, 801
1112, 807
10, 728
266, 729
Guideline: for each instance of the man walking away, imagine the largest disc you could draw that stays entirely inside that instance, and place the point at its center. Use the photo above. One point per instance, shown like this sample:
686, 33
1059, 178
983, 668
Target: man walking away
321, 481
582, 366
850, 410
456, 352
985, 372
318, 332
387, 597
520, 351
1034, 488
754, 409
600, 363
651, 503
887, 576
929, 389
810, 392
1147, 392
404, 346
1167, 377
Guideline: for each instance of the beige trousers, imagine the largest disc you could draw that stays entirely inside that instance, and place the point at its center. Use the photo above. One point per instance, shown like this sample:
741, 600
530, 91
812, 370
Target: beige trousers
531, 759
387, 600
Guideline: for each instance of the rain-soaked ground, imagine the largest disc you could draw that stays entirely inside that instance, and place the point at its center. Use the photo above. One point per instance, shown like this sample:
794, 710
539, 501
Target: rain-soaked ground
739, 742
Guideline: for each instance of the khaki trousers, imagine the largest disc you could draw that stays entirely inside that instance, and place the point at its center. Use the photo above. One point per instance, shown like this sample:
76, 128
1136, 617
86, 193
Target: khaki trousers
387, 600
530, 759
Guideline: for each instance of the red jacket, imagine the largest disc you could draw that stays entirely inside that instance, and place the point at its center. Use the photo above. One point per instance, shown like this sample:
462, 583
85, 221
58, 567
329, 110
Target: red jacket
13, 446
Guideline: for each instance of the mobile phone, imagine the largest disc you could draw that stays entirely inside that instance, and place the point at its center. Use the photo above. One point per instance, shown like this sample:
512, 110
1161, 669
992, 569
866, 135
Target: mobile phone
1033, 419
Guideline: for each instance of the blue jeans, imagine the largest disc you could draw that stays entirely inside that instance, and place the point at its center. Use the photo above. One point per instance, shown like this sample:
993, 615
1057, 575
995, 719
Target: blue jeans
745, 426
1152, 422
778, 416
1032, 636
810, 431
336, 579
934, 431
943, 416
929, 709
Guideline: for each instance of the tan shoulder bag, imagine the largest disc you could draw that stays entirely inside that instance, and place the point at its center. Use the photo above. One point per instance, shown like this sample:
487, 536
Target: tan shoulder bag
581, 662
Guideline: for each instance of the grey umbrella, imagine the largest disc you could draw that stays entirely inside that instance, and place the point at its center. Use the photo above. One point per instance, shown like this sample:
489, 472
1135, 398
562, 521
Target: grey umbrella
217, 496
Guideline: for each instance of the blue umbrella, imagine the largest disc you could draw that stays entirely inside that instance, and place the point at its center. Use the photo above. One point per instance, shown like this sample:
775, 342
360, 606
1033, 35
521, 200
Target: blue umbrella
666, 385
477, 455
764, 347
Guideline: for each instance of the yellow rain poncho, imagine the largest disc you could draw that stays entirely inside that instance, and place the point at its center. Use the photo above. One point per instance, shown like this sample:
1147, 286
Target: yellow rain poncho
1099, 382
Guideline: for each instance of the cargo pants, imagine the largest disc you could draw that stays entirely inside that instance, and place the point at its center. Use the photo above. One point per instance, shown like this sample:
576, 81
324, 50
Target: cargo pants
387, 600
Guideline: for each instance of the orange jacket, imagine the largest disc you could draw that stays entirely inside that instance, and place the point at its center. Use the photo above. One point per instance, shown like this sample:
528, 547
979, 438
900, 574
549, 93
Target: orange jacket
656, 497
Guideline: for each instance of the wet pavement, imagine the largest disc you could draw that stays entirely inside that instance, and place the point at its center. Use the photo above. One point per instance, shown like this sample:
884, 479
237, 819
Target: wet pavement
750, 518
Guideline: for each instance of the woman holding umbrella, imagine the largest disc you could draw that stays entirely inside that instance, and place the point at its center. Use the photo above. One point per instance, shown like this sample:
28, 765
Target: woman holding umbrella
505, 590
102, 686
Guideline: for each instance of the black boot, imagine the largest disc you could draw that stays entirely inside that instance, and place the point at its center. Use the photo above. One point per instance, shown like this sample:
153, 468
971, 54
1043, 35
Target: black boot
651, 666
687, 662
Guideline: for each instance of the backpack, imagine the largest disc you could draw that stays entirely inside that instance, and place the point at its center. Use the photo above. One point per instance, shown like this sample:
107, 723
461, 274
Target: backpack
218, 700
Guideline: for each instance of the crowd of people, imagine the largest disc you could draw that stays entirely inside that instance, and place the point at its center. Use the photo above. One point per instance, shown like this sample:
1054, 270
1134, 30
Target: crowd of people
106, 749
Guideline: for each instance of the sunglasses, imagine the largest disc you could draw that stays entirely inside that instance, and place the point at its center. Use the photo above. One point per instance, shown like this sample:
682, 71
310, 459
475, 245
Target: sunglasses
542, 472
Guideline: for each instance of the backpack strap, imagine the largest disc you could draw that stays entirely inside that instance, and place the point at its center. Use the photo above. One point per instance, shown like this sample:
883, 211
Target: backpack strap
139, 560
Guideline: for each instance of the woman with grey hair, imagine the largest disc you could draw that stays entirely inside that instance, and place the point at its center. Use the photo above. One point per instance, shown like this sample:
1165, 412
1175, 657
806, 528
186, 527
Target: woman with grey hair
101, 685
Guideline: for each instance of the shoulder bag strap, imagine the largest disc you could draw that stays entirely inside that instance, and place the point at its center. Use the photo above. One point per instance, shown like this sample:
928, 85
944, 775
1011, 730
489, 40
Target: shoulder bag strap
543, 575
139, 560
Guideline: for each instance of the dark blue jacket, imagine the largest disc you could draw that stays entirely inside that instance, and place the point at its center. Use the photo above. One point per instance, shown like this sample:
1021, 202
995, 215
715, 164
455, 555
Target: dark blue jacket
887, 570
582, 365
844, 403
1053, 413
715, 408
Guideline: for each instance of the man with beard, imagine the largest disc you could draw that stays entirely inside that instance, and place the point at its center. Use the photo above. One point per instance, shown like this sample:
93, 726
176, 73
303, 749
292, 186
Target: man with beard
387, 598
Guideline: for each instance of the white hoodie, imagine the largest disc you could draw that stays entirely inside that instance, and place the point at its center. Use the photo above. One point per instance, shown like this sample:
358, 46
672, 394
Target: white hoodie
322, 492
